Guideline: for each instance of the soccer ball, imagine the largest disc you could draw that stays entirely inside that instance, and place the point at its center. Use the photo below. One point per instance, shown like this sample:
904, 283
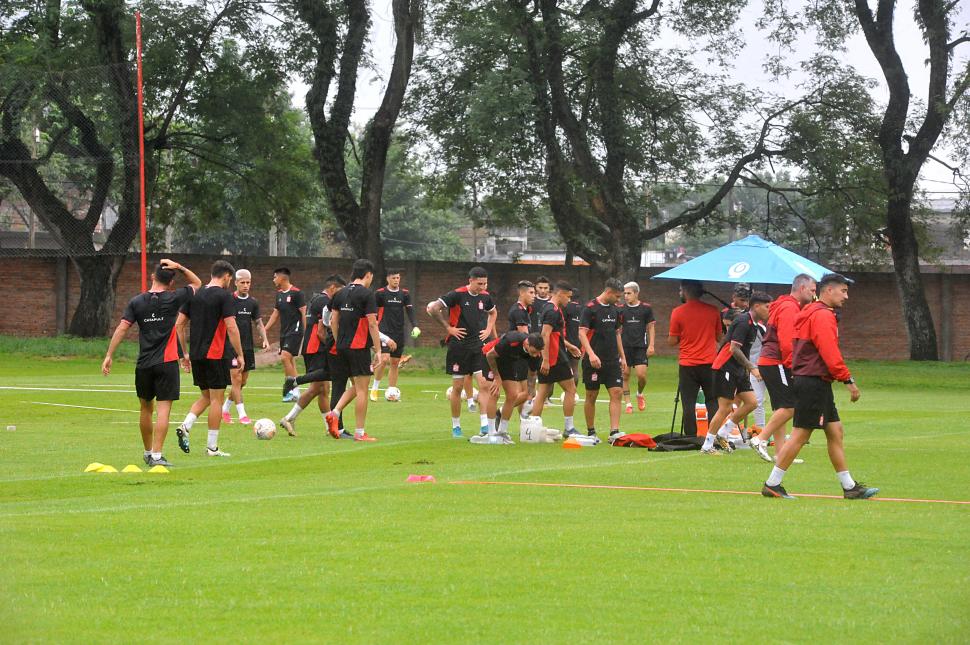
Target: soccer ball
392, 394
264, 429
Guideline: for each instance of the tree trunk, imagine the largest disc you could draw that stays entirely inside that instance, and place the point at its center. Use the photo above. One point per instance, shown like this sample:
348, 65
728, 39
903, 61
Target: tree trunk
95, 307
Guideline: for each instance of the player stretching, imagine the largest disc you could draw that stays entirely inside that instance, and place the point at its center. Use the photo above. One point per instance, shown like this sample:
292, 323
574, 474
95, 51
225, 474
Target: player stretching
774, 363
732, 368
393, 302
556, 350
354, 323
157, 370
470, 322
289, 311
506, 358
247, 313
816, 362
212, 313
638, 337
604, 362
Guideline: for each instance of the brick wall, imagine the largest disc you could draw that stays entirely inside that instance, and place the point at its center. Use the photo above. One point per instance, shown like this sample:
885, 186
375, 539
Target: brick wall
872, 323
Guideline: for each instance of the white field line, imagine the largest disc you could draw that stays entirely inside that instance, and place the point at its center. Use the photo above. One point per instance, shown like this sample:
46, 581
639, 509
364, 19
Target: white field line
83, 407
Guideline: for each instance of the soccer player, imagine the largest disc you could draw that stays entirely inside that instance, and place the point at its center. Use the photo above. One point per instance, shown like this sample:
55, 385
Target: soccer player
290, 311
212, 313
817, 362
316, 347
393, 303
539, 305
506, 358
695, 327
556, 349
573, 311
521, 319
732, 368
247, 313
470, 322
353, 320
638, 337
774, 363
603, 363
157, 369
740, 300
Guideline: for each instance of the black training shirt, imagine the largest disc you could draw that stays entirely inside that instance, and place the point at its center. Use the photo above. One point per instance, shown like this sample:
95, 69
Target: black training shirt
635, 319
247, 313
519, 314
354, 303
602, 322
469, 312
155, 312
743, 331
314, 318
391, 309
288, 305
207, 310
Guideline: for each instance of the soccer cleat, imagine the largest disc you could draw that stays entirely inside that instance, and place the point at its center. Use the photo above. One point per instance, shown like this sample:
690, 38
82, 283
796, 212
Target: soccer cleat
629, 408
373, 395
404, 360
483, 430
183, 436
215, 452
148, 457
289, 382
723, 444
456, 433
504, 438
571, 432
641, 403
226, 417
859, 491
287, 425
363, 436
333, 424
591, 433
245, 420
775, 491
710, 451
761, 449
345, 435
161, 461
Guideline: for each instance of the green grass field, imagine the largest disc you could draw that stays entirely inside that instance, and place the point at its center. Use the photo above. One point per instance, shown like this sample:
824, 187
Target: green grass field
310, 539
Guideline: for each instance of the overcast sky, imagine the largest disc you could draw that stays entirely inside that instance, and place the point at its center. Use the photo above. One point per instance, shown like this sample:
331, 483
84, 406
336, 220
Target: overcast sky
937, 179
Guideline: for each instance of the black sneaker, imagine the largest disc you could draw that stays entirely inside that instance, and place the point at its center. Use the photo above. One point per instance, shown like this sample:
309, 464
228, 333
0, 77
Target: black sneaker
288, 384
161, 461
859, 491
775, 491
183, 436
591, 432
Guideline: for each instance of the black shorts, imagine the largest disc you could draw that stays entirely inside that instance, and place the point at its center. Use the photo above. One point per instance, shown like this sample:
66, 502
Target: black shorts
609, 375
211, 374
559, 372
397, 353
728, 382
315, 361
463, 360
249, 360
291, 343
508, 370
533, 364
353, 362
777, 379
636, 356
159, 382
814, 403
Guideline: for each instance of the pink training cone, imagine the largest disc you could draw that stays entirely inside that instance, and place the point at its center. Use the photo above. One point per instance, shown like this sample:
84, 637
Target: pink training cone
416, 479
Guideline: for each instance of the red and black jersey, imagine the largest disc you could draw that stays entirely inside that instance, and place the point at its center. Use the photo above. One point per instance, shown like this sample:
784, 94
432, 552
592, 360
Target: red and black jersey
573, 312
539, 307
155, 313
314, 315
354, 303
469, 312
392, 306
742, 332
635, 320
553, 316
207, 310
777, 344
519, 315
509, 347
247, 313
815, 345
288, 305
602, 321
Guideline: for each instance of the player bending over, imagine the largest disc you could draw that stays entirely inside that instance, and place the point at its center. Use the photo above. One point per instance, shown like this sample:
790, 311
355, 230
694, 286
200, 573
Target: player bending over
506, 357
556, 350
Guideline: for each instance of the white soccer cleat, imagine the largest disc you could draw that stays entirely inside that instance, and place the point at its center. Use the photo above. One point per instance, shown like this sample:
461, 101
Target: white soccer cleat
761, 448
215, 452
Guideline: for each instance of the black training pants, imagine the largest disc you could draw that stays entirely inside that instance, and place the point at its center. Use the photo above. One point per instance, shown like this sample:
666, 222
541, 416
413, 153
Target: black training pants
692, 379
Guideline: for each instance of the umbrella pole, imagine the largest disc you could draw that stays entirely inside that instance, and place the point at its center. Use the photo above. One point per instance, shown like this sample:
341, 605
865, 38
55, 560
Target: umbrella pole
673, 419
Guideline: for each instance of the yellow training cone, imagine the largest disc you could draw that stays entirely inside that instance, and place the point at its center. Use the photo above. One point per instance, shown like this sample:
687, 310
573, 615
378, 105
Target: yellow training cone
107, 469
131, 468
158, 469
93, 467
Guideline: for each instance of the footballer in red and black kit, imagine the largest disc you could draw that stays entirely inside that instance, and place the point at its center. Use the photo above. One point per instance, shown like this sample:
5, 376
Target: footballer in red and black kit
315, 350
247, 311
522, 318
511, 354
469, 312
288, 304
210, 353
602, 322
636, 319
559, 368
392, 306
353, 342
730, 376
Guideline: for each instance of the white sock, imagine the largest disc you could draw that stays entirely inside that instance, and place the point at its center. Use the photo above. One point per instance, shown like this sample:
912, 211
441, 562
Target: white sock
148, 453
845, 479
241, 410
777, 474
491, 426
376, 385
708, 442
728, 427
189, 421
503, 425
484, 419
759, 416
294, 412
156, 455
213, 442
358, 432
455, 422
227, 406
569, 423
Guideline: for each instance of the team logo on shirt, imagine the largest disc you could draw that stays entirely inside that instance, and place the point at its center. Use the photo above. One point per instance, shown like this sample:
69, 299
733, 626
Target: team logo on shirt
481, 305
287, 298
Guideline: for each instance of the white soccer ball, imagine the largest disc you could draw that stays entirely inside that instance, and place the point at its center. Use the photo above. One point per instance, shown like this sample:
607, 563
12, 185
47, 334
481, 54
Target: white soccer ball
264, 429
392, 394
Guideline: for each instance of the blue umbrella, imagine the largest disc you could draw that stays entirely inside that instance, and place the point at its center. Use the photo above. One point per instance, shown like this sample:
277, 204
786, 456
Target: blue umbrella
753, 260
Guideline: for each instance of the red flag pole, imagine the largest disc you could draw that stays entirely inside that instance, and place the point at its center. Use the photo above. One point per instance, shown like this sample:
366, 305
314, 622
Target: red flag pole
141, 159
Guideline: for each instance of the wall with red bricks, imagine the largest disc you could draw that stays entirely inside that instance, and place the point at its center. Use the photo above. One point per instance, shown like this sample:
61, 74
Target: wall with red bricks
872, 322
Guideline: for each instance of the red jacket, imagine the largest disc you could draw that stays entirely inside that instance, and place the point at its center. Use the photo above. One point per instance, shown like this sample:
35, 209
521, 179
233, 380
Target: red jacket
815, 347
776, 345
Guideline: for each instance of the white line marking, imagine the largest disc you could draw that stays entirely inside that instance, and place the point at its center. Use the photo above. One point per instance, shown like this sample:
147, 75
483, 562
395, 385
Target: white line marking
61, 389
84, 407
